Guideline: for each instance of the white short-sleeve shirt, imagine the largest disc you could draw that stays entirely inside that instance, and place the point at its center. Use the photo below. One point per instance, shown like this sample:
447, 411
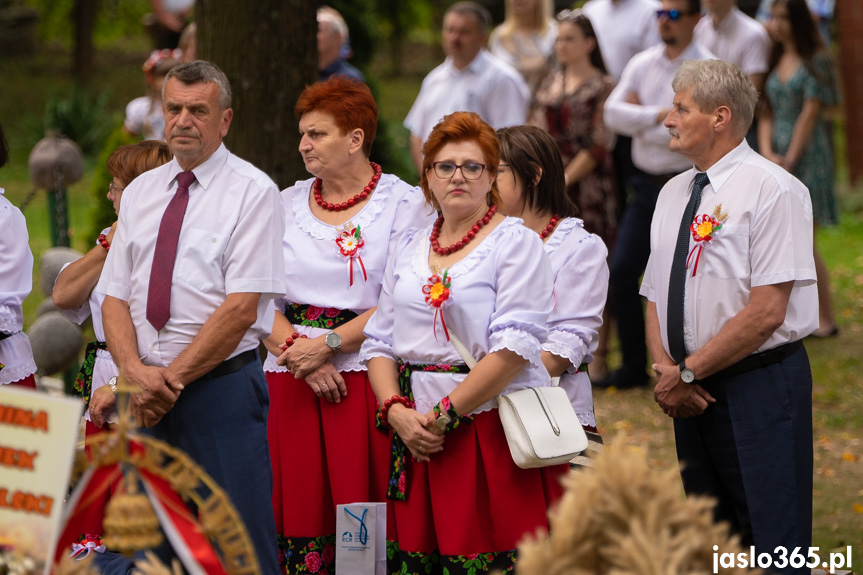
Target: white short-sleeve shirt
649, 75
500, 298
487, 86
317, 274
16, 282
231, 242
765, 239
578, 262
624, 28
737, 39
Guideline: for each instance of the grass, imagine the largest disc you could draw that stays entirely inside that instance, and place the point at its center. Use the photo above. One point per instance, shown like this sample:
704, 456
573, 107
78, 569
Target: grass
629, 416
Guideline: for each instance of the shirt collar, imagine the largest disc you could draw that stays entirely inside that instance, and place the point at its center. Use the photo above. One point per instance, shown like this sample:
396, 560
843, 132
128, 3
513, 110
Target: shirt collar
477, 65
204, 173
727, 23
722, 170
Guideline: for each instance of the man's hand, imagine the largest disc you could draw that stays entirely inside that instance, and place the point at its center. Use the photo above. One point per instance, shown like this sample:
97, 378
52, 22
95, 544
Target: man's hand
102, 400
677, 398
159, 390
326, 382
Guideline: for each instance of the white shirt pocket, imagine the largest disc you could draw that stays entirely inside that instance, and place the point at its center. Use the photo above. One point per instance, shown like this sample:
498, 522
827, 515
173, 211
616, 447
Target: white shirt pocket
199, 263
727, 254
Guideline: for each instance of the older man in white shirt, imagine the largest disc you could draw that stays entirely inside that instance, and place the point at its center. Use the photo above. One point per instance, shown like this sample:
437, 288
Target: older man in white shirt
731, 294
637, 107
470, 80
195, 262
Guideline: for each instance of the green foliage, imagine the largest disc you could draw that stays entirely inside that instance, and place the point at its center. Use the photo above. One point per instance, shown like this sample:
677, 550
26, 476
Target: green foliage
80, 117
115, 20
101, 210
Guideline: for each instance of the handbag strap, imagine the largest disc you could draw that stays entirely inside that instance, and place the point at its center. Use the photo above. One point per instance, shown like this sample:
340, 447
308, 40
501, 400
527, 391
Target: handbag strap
548, 415
462, 350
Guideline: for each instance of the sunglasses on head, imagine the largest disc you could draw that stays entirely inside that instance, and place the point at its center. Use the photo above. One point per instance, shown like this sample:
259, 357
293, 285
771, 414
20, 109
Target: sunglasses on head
673, 15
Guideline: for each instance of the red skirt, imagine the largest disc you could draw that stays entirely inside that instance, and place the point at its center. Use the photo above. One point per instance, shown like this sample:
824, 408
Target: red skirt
323, 454
472, 498
29, 381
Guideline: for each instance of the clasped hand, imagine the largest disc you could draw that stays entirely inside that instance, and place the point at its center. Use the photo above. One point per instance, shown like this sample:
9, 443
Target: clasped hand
676, 397
418, 431
304, 356
159, 390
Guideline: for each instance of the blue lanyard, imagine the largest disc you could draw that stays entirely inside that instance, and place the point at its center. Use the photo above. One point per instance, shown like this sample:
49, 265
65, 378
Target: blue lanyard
364, 531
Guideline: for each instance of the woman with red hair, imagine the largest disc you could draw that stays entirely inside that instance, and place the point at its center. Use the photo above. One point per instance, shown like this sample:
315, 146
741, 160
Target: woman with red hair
341, 227
460, 503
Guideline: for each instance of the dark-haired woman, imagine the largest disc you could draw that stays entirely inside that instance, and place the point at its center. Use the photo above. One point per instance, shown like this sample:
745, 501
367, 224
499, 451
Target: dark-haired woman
569, 106
461, 505
340, 229
532, 188
791, 131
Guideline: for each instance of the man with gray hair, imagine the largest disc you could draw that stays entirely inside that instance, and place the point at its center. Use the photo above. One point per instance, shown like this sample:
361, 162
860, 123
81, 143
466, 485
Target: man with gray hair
471, 79
731, 294
333, 45
195, 262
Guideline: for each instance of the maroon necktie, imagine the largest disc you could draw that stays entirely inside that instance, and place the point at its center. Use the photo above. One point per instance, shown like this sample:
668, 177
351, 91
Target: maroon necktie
159, 293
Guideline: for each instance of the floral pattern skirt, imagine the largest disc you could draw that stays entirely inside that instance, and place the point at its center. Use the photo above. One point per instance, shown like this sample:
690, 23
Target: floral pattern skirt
467, 509
323, 454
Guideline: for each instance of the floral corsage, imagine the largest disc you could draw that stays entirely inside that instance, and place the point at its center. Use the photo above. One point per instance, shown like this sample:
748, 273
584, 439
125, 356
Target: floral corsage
350, 242
437, 295
703, 228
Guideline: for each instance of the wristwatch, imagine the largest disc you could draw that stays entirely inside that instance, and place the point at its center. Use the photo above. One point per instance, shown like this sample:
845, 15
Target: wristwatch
334, 342
443, 421
686, 374
112, 383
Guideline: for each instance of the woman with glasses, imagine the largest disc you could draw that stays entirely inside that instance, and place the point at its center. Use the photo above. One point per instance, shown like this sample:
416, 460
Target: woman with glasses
792, 132
569, 105
341, 227
74, 291
481, 280
531, 187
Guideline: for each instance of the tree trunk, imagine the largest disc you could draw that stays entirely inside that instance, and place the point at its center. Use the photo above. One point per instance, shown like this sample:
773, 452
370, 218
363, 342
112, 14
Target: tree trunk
84, 17
268, 50
849, 15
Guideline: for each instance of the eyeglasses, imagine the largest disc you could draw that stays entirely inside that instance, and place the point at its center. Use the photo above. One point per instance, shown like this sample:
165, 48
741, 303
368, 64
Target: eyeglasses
114, 189
673, 15
446, 170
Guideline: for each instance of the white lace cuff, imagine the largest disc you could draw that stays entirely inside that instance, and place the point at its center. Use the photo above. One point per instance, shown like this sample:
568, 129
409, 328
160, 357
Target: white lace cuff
375, 348
8, 320
567, 345
521, 342
586, 418
343, 363
17, 373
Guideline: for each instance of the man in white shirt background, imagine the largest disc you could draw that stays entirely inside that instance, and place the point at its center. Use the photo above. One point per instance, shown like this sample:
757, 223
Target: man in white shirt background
637, 107
736, 38
470, 80
729, 303
194, 265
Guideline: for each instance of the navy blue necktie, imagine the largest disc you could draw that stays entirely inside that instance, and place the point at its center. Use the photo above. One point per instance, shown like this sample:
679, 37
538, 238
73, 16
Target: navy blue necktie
677, 278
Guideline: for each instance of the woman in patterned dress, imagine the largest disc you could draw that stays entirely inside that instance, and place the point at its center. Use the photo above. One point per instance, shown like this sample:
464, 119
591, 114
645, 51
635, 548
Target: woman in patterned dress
800, 85
340, 229
531, 187
459, 502
569, 105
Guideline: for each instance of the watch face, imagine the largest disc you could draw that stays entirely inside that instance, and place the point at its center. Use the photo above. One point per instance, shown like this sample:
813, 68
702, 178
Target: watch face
687, 375
334, 340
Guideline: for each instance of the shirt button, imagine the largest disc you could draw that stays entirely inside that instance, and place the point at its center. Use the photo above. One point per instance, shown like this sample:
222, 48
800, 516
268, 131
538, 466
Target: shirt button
213, 240
153, 347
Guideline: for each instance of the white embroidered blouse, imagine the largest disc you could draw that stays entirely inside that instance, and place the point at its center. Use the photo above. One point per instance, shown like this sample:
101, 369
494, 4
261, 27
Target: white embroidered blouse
500, 298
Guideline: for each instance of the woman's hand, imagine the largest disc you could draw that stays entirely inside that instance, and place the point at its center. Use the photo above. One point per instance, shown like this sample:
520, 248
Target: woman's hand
413, 429
326, 382
102, 400
110, 236
305, 355
774, 157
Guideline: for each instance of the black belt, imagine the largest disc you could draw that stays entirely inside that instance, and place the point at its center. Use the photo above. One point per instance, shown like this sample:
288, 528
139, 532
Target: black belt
4, 335
232, 365
757, 360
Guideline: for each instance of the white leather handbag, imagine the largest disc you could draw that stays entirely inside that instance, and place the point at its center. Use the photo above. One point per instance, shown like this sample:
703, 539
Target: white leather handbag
540, 424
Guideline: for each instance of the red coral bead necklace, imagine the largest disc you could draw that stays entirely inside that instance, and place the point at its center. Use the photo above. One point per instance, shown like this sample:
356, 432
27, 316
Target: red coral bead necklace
316, 189
465, 240
550, 227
